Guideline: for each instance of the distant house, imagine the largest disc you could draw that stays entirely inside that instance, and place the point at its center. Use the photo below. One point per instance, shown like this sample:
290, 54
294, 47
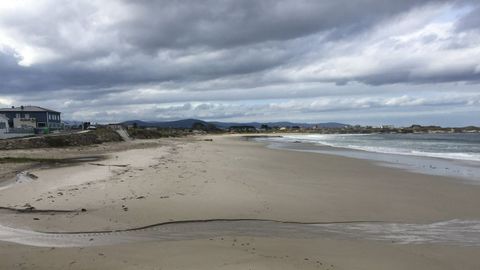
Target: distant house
32, 117
3, 124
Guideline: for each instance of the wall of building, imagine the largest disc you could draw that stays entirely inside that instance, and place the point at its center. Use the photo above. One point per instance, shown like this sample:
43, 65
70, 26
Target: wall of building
43, 119
3, 125
54, 120
24, 123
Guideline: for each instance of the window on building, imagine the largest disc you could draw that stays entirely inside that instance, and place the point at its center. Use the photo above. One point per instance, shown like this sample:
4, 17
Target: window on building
3, 125
17, 115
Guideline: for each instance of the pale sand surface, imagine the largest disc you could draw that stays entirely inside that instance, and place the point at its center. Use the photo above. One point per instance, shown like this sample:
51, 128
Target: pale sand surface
229, 253
188, 179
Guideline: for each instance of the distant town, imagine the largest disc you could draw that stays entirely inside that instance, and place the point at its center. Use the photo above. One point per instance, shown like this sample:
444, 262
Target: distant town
349, 129
25, 121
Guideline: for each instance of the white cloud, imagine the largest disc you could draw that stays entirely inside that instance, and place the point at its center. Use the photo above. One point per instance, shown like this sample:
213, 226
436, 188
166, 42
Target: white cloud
6, 101
412, 47
117, 60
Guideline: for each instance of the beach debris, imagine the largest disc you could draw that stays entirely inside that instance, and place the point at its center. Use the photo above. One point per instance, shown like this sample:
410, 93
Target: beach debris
28, 208
25, 177
111, 165
208, 140
83, 210
140, 197
31, 175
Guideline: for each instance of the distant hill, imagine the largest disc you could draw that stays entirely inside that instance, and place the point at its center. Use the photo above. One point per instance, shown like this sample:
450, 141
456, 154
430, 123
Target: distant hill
188, 123
280, 124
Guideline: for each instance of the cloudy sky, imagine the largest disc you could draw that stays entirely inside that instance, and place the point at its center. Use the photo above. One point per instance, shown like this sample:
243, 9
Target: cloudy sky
359, 62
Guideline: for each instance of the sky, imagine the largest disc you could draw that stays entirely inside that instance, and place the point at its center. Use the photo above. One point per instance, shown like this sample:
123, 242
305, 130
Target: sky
367, 62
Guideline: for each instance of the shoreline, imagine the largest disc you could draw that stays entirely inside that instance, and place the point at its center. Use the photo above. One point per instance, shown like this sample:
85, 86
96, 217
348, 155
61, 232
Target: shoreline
467, 171
174, 180
419, 154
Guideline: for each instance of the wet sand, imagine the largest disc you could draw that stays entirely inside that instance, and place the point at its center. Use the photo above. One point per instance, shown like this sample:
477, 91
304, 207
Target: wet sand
171, 180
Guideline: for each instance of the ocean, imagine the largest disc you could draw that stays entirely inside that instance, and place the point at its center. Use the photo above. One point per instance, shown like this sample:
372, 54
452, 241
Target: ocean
452, 154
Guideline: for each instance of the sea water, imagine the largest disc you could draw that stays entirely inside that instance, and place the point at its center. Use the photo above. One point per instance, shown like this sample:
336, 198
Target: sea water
452, 154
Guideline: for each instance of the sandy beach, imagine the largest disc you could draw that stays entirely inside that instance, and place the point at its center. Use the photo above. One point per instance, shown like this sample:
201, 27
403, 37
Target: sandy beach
145, 182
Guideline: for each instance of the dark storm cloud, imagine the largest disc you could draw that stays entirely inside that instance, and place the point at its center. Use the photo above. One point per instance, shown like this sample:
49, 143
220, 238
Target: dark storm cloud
228, 23
471, 21
464, 74
100, 55
153, 35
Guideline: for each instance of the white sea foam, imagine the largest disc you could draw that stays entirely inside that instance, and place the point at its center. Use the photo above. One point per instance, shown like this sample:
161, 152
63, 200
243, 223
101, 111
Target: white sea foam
466, 232
374, 143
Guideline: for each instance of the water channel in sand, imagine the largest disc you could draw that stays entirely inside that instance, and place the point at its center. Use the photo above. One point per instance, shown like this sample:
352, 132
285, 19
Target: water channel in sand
453, 232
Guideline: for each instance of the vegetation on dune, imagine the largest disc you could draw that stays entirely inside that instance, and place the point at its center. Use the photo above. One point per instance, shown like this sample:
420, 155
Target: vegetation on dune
98, 136
93, 137
141, 133
104, 134
137, 132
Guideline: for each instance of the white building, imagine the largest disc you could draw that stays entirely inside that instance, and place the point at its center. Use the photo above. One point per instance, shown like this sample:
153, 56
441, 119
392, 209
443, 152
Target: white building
3, 124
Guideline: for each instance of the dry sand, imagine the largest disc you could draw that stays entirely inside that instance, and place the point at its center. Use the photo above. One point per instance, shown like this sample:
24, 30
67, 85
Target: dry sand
149, 182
